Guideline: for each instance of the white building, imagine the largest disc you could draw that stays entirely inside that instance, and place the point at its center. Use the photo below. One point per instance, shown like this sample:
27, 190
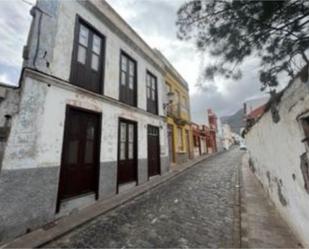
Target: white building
279, 154
228, 139
89, 108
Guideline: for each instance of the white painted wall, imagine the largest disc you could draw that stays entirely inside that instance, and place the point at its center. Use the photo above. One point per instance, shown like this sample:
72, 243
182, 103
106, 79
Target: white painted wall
37, 132
59, 50
227, 136
203, 145
275, 150
38, 114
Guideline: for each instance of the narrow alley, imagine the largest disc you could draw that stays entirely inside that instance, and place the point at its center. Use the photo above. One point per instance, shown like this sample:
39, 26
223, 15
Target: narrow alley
195, 209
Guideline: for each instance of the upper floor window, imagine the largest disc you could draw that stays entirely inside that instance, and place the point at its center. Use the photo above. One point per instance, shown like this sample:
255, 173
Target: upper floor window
305, 124
185, 103
177, 97
168, 88
128, 80
177, 101
152, 93
87, 61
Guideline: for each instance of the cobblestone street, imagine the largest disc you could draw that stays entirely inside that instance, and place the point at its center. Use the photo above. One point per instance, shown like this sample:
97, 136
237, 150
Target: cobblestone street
195, 209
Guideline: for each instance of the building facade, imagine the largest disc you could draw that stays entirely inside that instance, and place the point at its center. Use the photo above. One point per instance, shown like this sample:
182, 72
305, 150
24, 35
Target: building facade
213, 128
88, 112
196, 139
278, 145
228, 139
204, 139
178, 114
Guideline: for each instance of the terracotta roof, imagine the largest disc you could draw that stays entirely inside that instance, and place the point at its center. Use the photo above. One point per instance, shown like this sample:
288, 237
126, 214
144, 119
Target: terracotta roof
256, 113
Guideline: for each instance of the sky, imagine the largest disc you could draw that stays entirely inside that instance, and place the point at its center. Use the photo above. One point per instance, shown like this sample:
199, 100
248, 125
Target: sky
154, 21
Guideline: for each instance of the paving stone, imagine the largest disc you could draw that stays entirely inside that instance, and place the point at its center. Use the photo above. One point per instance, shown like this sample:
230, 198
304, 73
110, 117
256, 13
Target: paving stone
193, 210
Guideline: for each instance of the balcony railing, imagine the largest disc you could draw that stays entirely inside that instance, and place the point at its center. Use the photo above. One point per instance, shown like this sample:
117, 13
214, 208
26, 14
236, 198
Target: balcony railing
178, 112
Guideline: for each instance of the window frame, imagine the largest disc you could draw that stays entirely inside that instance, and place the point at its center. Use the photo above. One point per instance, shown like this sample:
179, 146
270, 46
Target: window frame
303, 119
152, 76
128, 123
74, 56
127, 82
168, 87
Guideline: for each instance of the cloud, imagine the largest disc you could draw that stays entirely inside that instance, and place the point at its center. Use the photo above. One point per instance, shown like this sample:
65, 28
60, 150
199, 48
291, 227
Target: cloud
4, 78
224, 96
14, 22
14, 25
154, 20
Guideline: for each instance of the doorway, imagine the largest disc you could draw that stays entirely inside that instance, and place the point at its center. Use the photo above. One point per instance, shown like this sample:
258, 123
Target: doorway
127, 152
153, 151
79, 172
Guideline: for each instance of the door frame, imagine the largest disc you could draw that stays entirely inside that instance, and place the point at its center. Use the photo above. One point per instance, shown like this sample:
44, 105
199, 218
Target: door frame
98, 141
188, 143
173, 143
135, 149
158, 145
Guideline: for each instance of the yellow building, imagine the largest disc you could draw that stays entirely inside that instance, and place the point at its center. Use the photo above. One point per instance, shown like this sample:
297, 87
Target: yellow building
178, 114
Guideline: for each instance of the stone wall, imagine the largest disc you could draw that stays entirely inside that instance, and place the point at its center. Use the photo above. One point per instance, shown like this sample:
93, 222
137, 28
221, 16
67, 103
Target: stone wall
277, 155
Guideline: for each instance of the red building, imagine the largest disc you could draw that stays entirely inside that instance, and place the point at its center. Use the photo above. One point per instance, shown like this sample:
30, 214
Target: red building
196, 139
213, 127
204, 137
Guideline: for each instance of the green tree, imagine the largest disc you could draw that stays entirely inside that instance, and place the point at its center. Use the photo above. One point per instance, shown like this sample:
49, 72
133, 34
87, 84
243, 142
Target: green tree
233, 30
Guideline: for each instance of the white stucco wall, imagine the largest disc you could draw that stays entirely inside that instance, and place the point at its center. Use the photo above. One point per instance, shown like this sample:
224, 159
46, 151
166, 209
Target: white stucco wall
275, 150
227, 136
32, 156
34, 141
59, 49
37, 132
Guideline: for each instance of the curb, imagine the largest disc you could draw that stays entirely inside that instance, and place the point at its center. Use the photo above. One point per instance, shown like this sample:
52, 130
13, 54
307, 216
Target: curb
244, 240
237, 212
66, 224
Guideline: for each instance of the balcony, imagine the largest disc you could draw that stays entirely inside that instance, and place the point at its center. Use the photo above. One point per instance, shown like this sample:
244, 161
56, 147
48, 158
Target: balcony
179, 113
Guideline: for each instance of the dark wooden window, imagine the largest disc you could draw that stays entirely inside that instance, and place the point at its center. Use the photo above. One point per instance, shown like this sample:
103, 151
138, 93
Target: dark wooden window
128, 80
305, 124
152, 93
88, 56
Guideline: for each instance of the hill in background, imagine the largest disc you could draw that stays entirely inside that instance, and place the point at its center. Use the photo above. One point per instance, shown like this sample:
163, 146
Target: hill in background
236, 121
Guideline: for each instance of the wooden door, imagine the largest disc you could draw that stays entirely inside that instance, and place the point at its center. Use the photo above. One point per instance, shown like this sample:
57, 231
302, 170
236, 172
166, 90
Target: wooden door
79, 172
153, 151
127, 152
188, 144
170, 135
